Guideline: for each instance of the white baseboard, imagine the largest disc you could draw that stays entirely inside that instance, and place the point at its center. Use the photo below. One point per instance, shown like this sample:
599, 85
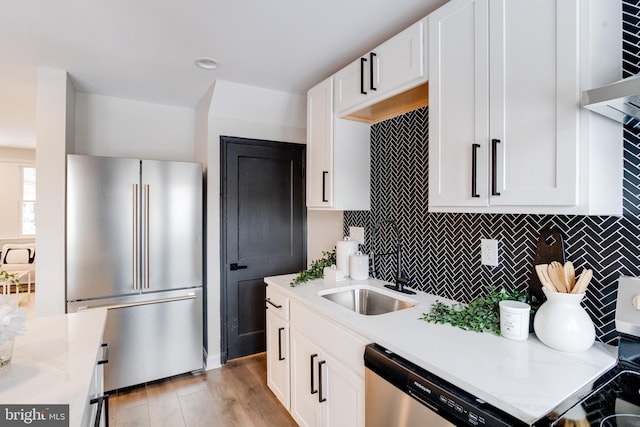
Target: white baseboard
213, 361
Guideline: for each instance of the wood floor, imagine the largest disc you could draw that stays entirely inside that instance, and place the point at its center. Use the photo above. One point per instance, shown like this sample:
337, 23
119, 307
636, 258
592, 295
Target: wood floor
233, 395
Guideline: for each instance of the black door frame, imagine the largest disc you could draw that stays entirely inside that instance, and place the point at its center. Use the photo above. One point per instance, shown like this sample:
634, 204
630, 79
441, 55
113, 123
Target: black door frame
224, 140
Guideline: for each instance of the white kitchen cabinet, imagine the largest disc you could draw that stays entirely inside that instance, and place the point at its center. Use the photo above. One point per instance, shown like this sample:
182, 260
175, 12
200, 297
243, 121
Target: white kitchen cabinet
327, 371
338, 158
506, 133
393, 67
278, 355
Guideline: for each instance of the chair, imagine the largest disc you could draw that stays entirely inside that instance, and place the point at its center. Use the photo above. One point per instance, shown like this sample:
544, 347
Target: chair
20, 258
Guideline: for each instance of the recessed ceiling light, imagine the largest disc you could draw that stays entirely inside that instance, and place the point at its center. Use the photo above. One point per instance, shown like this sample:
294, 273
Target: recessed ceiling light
206, 63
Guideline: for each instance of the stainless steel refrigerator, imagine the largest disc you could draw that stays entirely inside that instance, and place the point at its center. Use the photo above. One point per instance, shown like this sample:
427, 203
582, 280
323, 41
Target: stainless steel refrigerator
134, 245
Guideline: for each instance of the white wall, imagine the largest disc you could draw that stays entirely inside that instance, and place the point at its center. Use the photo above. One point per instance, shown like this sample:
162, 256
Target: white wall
54, 135
115, 127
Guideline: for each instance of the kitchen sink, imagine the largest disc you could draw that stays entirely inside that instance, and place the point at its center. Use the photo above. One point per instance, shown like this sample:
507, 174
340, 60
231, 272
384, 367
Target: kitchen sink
367, 300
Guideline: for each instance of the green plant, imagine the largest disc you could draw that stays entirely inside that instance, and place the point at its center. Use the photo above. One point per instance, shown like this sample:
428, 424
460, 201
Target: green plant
9, 278
481, 314
316, 271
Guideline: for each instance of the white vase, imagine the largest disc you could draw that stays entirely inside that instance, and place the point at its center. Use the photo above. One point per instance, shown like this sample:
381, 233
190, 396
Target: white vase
563, 324
6, 351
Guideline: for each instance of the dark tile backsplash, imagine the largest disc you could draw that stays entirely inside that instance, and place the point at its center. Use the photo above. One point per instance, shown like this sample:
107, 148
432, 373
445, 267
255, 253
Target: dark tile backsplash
442, 250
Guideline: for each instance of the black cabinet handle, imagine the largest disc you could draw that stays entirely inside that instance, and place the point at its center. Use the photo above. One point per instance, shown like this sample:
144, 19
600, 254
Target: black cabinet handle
280, 343
313, 356
101, 401
234, 266
324, 186
106, 353
371, 56
321, 398
362, 61
474, 170
494, 167
268, 300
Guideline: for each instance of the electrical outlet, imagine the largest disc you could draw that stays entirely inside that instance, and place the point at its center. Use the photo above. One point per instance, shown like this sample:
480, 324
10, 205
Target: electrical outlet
489, 252
357, 233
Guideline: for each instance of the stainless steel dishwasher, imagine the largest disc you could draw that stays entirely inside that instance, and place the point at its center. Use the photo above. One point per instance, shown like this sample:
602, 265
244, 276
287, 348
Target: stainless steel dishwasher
401, 394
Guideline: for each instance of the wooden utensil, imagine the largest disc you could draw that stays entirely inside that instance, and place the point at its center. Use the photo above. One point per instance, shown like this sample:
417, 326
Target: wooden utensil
543, 275
569, 275
556, 274
583, 281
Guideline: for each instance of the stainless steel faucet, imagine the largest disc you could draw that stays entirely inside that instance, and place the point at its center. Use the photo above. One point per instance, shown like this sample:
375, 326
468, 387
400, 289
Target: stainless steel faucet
401, 279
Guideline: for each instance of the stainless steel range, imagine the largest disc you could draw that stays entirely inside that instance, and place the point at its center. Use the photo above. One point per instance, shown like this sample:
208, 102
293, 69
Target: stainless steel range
614, 399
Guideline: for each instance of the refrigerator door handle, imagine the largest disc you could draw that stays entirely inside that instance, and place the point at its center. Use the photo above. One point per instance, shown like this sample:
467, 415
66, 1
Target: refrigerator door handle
189, 296
145, 282
135, 237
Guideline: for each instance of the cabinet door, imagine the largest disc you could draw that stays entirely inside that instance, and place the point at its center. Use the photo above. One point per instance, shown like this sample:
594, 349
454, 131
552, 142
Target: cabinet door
278, 357
320, 145
458, 104
342, 395
305, 355
534, 92
396, 65
399, 62
352, 85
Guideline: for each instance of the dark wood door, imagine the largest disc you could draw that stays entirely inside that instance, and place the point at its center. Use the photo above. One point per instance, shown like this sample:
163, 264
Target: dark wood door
263, 222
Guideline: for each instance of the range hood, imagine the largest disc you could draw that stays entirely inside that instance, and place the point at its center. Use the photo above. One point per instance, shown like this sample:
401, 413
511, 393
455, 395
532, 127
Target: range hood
619, 101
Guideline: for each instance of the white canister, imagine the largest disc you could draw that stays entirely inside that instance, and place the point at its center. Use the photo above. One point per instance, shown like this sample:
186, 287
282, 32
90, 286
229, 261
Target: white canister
514, 320
345, 248
359, 266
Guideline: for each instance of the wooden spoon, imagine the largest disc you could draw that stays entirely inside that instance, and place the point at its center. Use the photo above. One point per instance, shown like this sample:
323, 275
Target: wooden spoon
583, 281
543, 275
569, 275
556, 273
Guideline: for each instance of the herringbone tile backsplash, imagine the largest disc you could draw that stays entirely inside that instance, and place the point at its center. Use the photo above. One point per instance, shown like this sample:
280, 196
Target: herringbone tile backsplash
442, 250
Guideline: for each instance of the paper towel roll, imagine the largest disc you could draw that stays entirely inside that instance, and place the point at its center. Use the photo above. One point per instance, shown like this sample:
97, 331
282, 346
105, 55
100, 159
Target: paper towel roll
344, 248
359, 266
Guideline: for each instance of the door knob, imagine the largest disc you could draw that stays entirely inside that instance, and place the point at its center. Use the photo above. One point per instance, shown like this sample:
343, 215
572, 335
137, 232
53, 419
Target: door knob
234, 266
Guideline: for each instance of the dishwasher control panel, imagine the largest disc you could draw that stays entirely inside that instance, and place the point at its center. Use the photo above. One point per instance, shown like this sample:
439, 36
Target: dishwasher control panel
431, 394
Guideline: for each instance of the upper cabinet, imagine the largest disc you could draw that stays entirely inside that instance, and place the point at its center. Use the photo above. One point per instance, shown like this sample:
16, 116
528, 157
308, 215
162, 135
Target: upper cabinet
506, 133
395, 66
338, 158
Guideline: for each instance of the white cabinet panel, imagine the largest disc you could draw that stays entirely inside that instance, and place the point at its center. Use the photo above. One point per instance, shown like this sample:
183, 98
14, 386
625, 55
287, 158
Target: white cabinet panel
393, 67
458, 104
327, 371
506, 133
534, 92
338, 157
305, 407
278, 354
320, 145
278, 357
344, 394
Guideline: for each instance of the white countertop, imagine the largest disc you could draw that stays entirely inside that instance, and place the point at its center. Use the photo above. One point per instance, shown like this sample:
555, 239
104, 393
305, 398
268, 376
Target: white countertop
526, 379
53, 362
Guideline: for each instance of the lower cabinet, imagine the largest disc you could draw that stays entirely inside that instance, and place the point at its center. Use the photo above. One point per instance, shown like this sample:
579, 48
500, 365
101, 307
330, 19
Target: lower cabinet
278, 366
315, 366
323, 391
327, 371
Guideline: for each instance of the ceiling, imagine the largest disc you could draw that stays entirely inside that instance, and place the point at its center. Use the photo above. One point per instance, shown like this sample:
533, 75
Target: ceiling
144, 49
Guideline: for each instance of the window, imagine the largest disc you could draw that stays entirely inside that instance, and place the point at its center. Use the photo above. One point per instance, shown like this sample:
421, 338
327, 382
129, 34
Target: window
28, 202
